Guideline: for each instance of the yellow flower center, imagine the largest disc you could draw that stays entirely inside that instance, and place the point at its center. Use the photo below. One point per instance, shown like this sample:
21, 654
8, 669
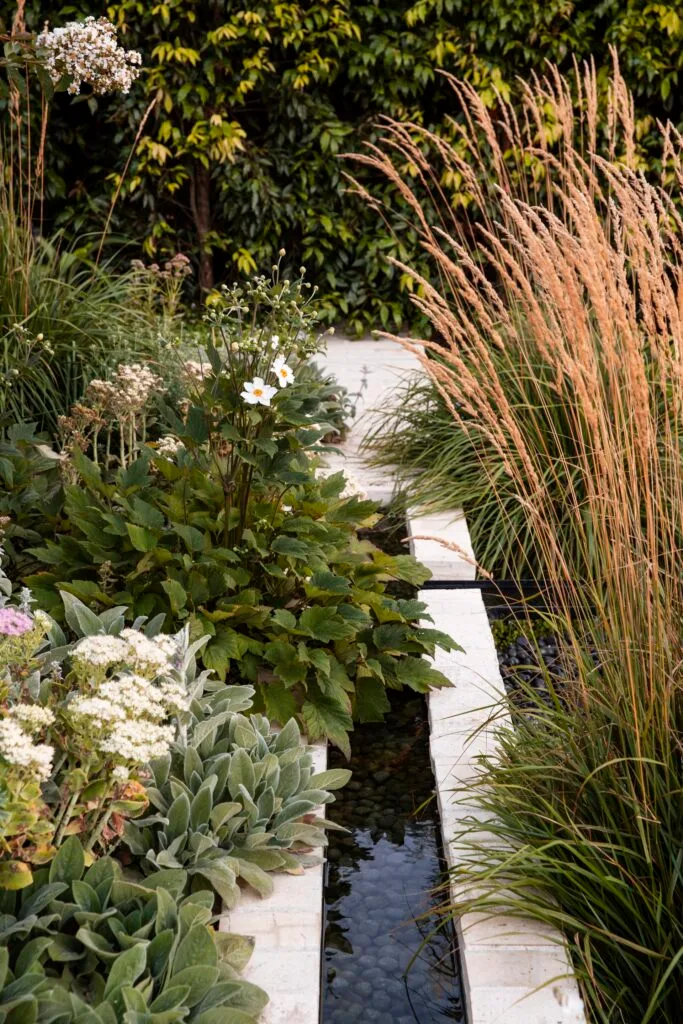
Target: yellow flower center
258, 392
283, 373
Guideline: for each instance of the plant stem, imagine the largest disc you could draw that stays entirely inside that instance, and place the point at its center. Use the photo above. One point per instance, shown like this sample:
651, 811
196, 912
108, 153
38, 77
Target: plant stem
65, 816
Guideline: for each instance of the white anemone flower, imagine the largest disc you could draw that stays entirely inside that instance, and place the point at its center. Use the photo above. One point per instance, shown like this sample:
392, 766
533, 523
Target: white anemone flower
283, 373
256, 392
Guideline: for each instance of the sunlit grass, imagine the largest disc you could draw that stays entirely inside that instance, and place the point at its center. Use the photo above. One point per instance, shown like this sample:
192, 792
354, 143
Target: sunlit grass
560, 306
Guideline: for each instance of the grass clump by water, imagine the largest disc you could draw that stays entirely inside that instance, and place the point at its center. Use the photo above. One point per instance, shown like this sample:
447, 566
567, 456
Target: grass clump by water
571, 279
441, 466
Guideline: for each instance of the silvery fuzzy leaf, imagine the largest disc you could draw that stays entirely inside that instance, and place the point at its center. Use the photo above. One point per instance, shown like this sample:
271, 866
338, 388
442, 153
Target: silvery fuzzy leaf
241, 774
255, 840
249, 805
192, 765
195, 950
202, 803
223, 812
178, 816
165, 859
256, 877
79, 617
317, 796
333, 778
198, 979
297, 832
289, 737
290, 778
177, 787
266, 804
292, 810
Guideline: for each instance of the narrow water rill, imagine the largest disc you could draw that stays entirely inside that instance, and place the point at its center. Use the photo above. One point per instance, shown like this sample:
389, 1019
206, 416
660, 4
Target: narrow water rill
383, 960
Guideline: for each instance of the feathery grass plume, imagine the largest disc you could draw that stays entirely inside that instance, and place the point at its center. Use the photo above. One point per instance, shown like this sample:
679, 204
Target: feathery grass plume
558, 300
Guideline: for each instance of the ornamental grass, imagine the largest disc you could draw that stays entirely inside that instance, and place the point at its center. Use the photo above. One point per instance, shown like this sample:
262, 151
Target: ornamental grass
567, 272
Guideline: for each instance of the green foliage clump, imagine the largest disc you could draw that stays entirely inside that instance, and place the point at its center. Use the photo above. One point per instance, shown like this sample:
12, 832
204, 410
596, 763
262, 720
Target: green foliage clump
235, 800
233, 530
300, 609
90, 944
31, 496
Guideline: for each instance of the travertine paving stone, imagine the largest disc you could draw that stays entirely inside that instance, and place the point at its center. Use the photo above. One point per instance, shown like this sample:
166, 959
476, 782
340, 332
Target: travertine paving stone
514, 971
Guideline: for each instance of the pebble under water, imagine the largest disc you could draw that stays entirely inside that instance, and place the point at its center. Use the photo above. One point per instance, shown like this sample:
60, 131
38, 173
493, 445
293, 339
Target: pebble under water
380, 881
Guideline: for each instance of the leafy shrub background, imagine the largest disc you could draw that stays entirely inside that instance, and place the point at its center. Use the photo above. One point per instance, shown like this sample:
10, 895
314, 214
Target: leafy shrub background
300, 609
255, 100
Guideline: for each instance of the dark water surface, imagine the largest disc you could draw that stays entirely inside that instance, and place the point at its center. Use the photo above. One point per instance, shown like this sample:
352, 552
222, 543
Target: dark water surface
379, 880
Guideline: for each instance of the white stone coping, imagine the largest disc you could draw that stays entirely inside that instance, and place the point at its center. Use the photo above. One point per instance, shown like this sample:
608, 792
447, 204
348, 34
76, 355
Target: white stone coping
288, 929
370, 370
514, 971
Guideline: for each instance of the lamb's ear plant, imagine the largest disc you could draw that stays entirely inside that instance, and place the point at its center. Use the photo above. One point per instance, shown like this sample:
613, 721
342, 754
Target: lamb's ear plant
90, 943
235, 802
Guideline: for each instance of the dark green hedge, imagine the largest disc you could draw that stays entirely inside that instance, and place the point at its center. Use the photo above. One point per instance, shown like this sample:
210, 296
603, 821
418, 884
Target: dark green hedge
256, 99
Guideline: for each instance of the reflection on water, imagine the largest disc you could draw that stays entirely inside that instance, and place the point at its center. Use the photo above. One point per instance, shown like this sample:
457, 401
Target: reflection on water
379, 880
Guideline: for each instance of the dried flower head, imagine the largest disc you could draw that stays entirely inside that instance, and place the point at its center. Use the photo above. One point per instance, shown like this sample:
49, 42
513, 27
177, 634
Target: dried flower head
169, 446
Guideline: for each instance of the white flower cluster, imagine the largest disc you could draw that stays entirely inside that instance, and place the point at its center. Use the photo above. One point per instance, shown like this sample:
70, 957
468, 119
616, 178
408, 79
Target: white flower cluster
33, 717
101, 651
149, 657
169, 446
18, 749
88, 52
140, 742
131, 684
126, 716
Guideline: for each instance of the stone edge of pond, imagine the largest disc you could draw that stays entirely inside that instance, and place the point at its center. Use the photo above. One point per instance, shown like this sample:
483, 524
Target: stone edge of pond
513, 971
288, 931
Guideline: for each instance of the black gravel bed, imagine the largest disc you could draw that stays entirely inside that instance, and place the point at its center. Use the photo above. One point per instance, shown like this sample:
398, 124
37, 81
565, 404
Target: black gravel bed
528, 657
380, 881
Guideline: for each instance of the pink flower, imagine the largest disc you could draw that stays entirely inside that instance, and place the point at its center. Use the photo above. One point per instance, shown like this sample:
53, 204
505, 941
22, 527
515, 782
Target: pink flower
14, 623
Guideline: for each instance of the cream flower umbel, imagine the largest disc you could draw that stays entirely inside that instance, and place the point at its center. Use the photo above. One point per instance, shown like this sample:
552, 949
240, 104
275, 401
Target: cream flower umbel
283, 372
256, 392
